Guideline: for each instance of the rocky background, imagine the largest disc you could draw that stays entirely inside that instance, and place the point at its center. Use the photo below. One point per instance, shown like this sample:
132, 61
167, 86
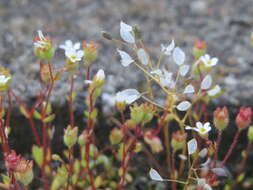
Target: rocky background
225, 25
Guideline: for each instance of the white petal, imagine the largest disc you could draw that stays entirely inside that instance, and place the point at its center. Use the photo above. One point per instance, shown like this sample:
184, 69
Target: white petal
206, 163
128, 95
192, 146
220, 172
182, 157
167, 50
189, 89
183, 106
126, 32
199, 125
77, 46
189, 128
214, 91
126, 59
183, 70
206, 82
143, 56
178, 56
154, 175
100, 74
203, 152
80, 53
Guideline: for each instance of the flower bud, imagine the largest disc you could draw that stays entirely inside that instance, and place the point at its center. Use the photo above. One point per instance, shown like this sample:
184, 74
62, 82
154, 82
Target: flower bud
243, 118
99, 78
137, 114
153, 141
5, 79
221, 118
90, 52
43, 47
82, 138
116, 136
70, 136
178, 140
199, 49
250, 133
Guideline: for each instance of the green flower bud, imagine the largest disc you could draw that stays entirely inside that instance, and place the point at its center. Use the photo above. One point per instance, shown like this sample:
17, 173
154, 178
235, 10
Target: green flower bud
116, 136
70, 136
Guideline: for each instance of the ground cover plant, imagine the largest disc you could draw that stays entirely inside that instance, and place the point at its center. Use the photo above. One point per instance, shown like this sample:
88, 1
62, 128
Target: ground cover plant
167, 119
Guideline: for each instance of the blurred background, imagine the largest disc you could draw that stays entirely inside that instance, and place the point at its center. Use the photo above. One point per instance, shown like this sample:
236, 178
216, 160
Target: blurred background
225, 25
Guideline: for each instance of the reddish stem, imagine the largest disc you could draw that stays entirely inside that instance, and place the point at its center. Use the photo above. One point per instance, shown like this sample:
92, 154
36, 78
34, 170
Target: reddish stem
231, 148
218, 144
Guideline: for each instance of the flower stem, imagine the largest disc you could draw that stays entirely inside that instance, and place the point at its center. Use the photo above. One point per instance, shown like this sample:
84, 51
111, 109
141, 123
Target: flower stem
231, 148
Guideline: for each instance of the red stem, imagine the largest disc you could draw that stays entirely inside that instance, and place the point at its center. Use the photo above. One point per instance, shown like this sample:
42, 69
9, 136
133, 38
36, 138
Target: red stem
232, 146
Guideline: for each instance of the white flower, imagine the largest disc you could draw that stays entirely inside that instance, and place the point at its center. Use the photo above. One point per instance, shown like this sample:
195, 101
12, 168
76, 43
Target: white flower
70, 45
4, 79
206, 82
200, 128
166, 80
143, 56
41, 42
72, 51
100, 75
168, 49
128, 96
74, 55
184, 105
126, 32
214, 91
126, 59
178, 56
208, 61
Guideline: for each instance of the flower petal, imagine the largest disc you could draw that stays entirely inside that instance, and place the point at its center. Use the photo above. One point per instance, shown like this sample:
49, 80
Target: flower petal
192, 146
143, 56
189, 89
183, 70
206, 82
183, 106
178, 56
154, 175
126, 59
126, 32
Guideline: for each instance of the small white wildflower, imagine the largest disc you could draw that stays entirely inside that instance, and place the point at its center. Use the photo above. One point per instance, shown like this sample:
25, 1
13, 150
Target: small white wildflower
208, 61
200, 128
206, 82
74, 55
126, 32
126, 59
128, 96
214, 91
166, 79
154, 175
4, 79
192, 146
69, 45
178, 56
143, 56
183, 70
189, 89
183, 106
168, 49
